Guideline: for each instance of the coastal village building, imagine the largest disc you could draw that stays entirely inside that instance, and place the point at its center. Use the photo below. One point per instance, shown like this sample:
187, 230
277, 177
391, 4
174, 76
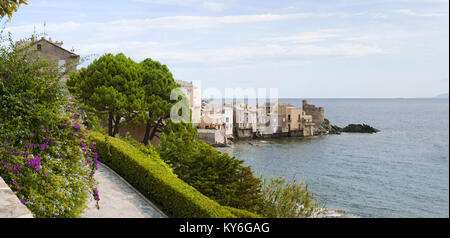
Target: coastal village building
53, 51
273, 119
194, 95
307, 125
218, 116
317, 113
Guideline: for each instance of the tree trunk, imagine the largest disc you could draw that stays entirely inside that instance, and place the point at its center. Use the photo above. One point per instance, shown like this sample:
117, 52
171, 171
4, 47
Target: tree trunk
147, 133
110, 124
116, 126
155, 128
147, 129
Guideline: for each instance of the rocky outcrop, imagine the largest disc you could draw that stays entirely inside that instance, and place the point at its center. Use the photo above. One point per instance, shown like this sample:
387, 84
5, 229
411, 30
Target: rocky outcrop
359, 128
326, 128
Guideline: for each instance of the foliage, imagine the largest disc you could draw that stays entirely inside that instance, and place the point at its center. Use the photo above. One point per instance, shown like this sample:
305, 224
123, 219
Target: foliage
158, 183
243, 213
44, 155
111, 85
148, 150
158, 83
218, 176
7, 7
288, 200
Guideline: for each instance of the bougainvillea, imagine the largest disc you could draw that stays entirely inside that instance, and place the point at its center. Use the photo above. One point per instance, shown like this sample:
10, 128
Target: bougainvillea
45, 156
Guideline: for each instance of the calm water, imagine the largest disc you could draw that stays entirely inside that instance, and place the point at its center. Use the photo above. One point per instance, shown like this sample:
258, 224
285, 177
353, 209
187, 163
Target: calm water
401, 172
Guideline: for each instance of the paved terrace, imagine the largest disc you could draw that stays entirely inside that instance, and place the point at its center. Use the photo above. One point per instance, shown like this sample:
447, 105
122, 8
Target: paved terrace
10, 206
118, 199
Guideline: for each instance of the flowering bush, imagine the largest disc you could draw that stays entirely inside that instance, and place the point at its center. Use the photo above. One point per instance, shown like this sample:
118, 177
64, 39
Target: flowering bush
45, 156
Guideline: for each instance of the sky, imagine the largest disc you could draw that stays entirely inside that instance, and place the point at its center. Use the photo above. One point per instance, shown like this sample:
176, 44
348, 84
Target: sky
306, 49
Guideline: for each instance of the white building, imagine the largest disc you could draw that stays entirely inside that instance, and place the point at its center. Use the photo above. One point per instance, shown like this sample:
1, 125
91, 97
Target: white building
219, 116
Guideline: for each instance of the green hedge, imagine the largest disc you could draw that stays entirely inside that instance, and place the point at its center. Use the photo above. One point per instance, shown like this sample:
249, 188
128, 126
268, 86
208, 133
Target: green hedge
242, 213
157, 182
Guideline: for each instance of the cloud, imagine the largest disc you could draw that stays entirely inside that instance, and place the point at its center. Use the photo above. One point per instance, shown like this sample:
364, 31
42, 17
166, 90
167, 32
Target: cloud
232, 55
137, 26
216, 6
307, 37
409, 12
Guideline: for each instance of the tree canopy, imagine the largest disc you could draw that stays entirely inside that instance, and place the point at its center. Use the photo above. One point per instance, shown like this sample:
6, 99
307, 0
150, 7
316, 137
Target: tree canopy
7, 7
110, 85
157, 83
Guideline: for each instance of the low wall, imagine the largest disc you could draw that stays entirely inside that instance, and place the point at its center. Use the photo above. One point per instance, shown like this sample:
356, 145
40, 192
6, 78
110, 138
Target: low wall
211, 136
10, 206
244, 133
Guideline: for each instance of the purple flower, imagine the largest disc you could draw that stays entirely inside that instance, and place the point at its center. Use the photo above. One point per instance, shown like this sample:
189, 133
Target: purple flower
35, 163
44, 146
96, 196
77, 127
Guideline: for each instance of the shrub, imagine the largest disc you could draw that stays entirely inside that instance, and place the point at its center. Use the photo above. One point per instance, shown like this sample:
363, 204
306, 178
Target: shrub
44, 155
216, 175
157, 182
288, 200
243, 213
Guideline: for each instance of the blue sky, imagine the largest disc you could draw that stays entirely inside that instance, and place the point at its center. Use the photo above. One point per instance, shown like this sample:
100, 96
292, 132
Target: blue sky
307, 49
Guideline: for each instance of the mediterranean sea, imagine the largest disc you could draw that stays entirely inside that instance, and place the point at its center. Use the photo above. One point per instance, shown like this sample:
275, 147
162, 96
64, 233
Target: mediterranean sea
403, 171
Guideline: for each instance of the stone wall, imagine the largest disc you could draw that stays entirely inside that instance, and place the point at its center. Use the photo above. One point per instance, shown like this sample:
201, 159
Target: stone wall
211, 136
244, 133
317, 113
10, 206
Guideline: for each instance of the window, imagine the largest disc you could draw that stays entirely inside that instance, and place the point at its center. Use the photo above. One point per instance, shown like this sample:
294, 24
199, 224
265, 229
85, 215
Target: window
289, 117
62, 66
39, 46
289, 127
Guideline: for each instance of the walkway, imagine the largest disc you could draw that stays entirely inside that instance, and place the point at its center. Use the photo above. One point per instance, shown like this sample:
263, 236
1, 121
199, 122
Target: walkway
118, 199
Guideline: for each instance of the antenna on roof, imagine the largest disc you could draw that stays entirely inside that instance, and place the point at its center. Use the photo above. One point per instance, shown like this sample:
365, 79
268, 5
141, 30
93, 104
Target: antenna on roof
45, 24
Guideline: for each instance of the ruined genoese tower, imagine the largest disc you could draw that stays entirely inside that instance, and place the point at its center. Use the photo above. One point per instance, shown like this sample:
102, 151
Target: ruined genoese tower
317, 113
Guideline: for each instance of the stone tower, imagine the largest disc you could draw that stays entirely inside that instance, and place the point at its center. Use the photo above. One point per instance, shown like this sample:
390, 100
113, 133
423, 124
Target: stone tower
317, 113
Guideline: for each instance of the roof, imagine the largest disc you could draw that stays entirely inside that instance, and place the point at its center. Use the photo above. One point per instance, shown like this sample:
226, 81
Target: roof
183, 83
70, 52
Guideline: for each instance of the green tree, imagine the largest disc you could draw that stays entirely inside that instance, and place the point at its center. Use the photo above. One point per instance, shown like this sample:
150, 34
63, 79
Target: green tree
112, 86
157, 83
216, 175
7, 7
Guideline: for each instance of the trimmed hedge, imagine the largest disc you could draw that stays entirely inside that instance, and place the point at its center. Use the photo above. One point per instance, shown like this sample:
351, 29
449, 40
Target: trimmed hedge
243, 213
175, 197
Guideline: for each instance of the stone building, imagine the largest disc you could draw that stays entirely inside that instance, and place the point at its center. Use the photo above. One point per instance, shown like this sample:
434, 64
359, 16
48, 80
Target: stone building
53, 51
294, 119
308, 125
317, 113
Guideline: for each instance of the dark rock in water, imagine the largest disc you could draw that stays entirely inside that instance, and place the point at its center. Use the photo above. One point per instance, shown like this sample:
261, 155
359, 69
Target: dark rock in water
359, 128
327, 128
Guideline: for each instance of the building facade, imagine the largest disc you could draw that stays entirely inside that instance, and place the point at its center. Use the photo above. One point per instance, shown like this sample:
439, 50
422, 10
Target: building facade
53, 51
317, 113
194, 95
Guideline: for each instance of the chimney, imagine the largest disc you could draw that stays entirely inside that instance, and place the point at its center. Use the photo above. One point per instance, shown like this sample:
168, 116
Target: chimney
59, 43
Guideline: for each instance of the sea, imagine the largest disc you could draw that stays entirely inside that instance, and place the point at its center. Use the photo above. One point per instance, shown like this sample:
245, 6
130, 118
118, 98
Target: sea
402, 171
